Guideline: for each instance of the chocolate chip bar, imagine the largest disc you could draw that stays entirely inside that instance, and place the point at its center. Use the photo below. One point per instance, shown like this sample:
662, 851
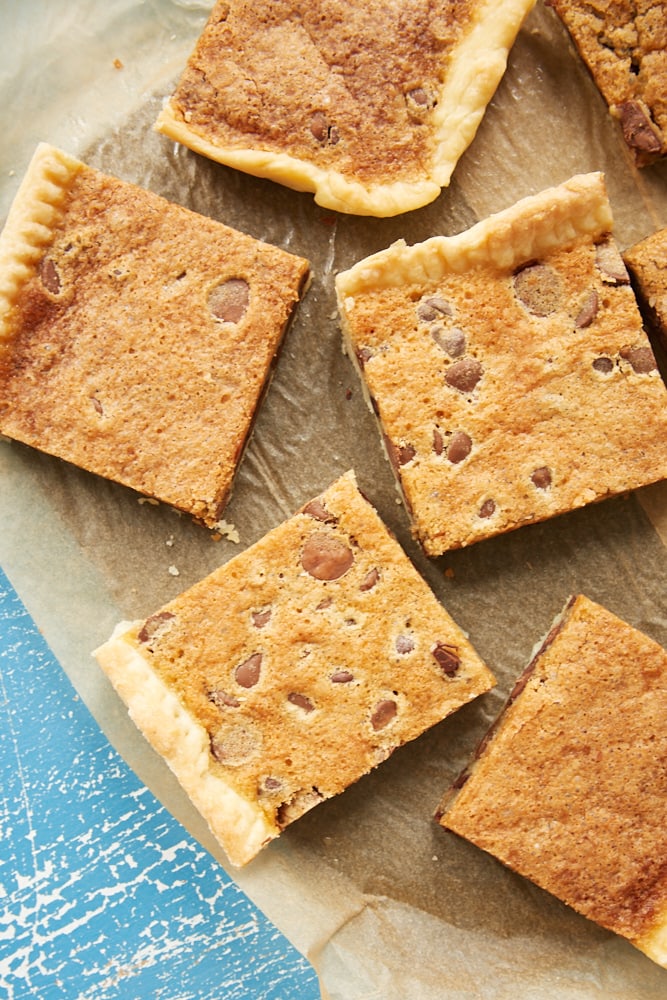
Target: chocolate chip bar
136, 337
293, 670
647, 264
508, 367
624, 46
368, 105
568, 789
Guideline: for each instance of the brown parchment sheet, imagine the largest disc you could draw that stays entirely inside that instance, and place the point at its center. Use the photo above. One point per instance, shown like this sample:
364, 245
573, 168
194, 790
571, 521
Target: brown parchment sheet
383, 901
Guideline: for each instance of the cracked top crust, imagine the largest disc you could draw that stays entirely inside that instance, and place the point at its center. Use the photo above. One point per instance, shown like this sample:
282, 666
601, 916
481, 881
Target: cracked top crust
569, 787
294, 669
368, 105
136, 337
624, 45
508, 367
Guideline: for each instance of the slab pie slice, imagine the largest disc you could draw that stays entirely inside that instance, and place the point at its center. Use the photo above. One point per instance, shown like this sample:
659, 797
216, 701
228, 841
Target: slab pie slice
136, 337
293, 670
367, 104
569, 788
508, 367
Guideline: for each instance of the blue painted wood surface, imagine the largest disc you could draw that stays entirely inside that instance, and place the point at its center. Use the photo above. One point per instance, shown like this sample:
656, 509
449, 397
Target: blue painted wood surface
103, 894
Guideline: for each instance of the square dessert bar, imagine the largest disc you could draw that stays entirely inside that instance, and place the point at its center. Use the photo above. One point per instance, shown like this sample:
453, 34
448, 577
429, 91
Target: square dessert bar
647, 264
508, 367
624, 46
569, 788
367, 104
136, 337
293, 670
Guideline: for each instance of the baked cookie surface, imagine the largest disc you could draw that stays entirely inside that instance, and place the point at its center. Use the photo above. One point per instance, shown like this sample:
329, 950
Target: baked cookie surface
624, 45
508, 367
368, 105
569, 788
647, 263
136, 337
293, 670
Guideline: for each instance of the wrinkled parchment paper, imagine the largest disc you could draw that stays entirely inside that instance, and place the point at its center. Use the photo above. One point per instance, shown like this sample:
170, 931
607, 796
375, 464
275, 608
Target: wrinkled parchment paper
384, 902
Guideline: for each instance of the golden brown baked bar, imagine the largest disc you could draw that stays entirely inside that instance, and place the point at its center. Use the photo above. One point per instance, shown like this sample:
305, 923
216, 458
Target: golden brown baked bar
624, 45
294, 669
136, 337
367, 104
569, 788
647, 263
508, 367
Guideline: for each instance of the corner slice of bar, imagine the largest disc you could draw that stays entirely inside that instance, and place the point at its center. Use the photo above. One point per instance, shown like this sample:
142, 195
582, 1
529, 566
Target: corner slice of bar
647, 264
624, 47
293, 670
136, 337
368, 105
569, 788
508, 367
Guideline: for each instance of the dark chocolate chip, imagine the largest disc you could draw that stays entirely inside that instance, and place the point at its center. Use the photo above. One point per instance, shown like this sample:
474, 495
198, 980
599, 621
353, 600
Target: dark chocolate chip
229, 300
538, 287
464, 375
383, 713
609, 261
342, 677
603, 365
487, 509
588, 311
459, 447
641, 359
154, 626
370, 580
49, 276
325, 557
447, 658
541, 478
301, 701
247, 673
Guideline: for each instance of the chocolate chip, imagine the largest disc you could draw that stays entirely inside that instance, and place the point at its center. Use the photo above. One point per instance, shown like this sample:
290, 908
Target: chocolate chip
48, 275
459, 447
538, 287
97, 406
229, 301
383, 713
271, 785
325, 557
638, 129
588, 311
322, 130
364, 354
301, 701
438, 442
370, 580
325, 603
641, 359
447, 657
610, 262
404, 644
247, 673
464, 375
317, 510
236, 745
432, 308
451, 341
261, 618
154, 626
341, 677
603, 365
221, 699
487, 509
419, 96
541, 478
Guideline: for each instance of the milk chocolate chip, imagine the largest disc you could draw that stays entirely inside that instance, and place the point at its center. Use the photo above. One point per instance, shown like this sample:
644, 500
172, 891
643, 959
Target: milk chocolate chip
641, 359
154, 626
301, 701
370, 579
464, 375
236, 745
538, 287
610, 263
247, 673
229, 301
342, 677
317, 510
541, 477
638, 129
221, 699
383, 713
588, 311
325, 557
438, 442
261, 618
451, 341
603, 365
447, 658
48, 275
487, 509
432, 308
459, 447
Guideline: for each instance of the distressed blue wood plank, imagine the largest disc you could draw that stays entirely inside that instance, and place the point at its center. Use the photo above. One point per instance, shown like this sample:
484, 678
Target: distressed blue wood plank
102, 892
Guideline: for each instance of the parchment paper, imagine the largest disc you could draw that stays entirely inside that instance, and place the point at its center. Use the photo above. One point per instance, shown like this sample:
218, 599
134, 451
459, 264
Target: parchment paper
382, 900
